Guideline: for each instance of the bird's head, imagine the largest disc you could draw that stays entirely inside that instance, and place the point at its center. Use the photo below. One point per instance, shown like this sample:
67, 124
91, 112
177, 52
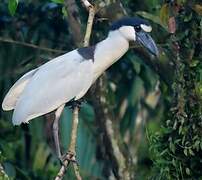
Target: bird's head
136, 29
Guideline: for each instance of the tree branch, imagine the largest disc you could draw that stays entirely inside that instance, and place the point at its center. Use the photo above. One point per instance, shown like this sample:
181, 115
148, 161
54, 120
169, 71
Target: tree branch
107, 133
30, 45
71, 154
89, 23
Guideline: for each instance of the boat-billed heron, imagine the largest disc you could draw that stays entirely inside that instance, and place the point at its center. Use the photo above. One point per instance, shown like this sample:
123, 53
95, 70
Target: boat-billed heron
69, 76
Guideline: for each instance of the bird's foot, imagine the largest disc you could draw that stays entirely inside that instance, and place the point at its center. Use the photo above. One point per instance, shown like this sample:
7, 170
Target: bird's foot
78, 103
69, 157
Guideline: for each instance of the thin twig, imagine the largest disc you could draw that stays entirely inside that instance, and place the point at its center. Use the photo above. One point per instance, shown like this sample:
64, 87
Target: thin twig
71, 154
89, 26
76, 170
31, 45
62, 170
72, 147
74, 129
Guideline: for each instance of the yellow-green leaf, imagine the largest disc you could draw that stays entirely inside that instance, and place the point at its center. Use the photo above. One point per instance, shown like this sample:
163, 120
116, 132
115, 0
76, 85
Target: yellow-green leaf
198, 8
164, 14
152, 18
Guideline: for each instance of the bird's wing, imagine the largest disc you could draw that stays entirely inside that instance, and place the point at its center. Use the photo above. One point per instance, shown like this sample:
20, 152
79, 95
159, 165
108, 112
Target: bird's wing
16, 90
54, 84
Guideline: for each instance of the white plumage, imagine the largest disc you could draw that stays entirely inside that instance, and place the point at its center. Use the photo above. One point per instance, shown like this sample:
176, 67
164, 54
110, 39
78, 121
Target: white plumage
69, 76
15, 92
43, 90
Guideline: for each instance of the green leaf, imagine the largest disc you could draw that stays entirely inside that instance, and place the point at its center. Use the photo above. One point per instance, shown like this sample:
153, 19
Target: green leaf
191, 152
180, 130
188, 18
164, 14
64, 12
172, 147
41, 156
187, 171
12, 6
136, 91
136, 66
194, 62
164, 152
174, 162
58, 1
185, 152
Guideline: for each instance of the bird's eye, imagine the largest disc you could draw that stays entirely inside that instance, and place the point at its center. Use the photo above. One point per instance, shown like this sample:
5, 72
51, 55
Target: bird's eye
137, 28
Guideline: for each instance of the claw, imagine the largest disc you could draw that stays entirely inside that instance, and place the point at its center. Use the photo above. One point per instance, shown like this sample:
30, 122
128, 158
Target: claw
69, 156
77, 103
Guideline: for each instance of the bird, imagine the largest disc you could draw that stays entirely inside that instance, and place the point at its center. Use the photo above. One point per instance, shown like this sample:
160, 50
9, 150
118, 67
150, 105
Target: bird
68, 77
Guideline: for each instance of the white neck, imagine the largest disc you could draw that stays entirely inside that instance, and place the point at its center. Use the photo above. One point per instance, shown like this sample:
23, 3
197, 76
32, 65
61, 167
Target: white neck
109, 51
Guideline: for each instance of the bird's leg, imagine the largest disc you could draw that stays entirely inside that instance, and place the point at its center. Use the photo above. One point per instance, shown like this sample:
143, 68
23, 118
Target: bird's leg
58, 113
70, 156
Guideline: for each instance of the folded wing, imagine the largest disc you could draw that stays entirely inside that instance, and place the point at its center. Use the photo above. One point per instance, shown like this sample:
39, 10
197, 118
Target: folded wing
54, 84
16, 90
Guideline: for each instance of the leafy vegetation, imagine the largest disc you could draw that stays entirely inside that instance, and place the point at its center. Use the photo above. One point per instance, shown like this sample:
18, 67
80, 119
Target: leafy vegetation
180, 157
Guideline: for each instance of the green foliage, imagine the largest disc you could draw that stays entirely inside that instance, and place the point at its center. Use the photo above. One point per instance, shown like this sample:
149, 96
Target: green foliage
58, 1
12, 6
153, 18
177, 148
